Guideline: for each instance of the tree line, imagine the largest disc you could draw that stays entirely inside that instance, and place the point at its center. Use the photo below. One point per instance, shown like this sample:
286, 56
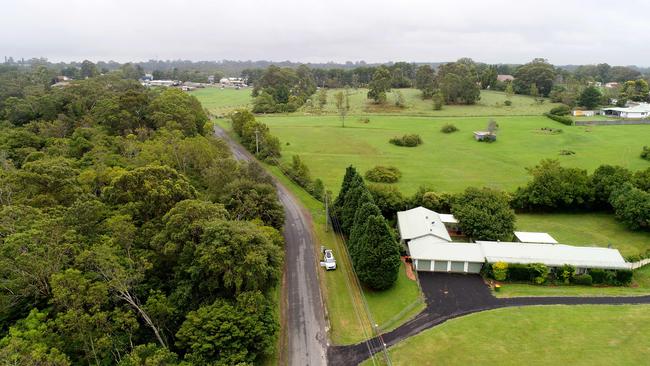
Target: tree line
131, 239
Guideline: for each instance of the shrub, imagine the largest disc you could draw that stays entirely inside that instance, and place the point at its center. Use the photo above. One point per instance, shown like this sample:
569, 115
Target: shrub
597, 275
407, 140
507, 103
562, 119
539, 272
565, 273
624, 276
518, 272
567, 152
645, 153
561, 110
500, 270
448, 128
582, 279
383, 174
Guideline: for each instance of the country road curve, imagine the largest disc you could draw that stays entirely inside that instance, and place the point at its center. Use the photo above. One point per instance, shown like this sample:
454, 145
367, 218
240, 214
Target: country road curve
305, 329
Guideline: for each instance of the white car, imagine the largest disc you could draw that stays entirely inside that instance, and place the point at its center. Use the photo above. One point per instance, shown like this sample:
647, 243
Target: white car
328, 260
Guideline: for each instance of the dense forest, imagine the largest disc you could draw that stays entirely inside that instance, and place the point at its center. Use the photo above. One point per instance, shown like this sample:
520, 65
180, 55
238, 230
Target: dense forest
128, 233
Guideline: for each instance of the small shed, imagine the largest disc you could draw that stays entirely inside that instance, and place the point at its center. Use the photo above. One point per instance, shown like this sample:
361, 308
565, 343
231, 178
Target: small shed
533, 237
484, 136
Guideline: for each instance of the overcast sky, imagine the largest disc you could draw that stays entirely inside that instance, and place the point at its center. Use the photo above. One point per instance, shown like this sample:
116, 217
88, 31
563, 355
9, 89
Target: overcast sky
564, 32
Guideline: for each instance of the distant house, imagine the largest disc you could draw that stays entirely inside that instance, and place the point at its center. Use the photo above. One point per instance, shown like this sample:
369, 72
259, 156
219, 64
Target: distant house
611, 85
640, 110
505, 78
431, 249
233, 82
583, 113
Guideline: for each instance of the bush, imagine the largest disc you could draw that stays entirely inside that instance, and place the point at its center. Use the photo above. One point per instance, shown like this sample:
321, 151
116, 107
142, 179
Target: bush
645, 153
507, 103
518, 272
383, 174
582, 279
597, 275
406, 140
565, 273
624, 276
500, 271
448, 128
562, 119
561, 110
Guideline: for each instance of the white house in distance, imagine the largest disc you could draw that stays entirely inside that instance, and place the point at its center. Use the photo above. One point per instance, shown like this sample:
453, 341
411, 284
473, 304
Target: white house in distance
431, 248
640, 110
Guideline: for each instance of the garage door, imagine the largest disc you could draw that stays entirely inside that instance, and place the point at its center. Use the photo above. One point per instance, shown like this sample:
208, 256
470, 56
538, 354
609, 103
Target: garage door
424, 265
458, 266
440, 266
474, 267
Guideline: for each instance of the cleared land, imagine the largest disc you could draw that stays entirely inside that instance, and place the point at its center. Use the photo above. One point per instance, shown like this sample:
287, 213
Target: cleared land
544, 335
220, 101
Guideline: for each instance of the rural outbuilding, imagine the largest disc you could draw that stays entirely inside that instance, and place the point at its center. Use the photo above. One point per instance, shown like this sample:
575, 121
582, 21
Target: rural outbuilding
420, 222
532, 237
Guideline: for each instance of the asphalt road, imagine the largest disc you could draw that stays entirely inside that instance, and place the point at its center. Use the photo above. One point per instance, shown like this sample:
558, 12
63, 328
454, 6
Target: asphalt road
451, 295
305, 327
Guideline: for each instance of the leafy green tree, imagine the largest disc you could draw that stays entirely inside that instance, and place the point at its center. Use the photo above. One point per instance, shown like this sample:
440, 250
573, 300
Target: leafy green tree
425, 81
366, 210
175, 109
388, 198
379, 85
509, 91
484, 214
458, 82
149, 191
590, 97
351, 179
354, 199
488, 76
248, 200
642, 179
47, 182
538, 72
237, 256
636, 90
554, 187
88, 70
150, 355
342, 102
227, 333
605, 179
378, 260
322, 98
31, 342
632, 206
299, 172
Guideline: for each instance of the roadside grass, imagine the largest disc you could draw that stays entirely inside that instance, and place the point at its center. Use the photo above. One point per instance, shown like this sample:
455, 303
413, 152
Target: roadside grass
587, 229
450, 162
536, 335
220, 101
274, 358
640, 286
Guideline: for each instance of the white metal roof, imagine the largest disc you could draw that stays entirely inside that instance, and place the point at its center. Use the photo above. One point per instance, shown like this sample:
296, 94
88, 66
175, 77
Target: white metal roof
419, 222
428, 249
553, 255
639, 108
448, 218
532, 237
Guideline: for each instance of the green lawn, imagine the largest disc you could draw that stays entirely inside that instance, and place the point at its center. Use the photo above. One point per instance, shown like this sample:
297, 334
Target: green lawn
451, 162
220, 101
640, 286
539, 335
593, 229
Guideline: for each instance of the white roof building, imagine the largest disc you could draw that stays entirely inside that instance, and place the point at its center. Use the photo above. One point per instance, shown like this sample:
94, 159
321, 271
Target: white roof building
419, 222
641, 110
531, 237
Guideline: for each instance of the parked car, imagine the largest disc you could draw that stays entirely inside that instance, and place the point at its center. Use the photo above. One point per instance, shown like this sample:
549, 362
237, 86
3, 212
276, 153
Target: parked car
328, 260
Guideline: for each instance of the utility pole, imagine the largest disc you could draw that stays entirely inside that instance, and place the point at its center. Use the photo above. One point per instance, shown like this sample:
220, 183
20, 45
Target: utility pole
257, 142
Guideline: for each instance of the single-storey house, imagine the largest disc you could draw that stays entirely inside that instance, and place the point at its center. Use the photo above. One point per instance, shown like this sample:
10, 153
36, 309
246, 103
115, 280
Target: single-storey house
532, 237
431, 249
641, 110
504, 78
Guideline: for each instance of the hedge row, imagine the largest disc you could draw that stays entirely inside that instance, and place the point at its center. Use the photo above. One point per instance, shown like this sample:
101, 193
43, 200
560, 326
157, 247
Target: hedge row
539, 273
562, 119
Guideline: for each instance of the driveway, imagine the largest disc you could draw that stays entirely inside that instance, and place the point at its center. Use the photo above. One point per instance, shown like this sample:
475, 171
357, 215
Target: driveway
448, 296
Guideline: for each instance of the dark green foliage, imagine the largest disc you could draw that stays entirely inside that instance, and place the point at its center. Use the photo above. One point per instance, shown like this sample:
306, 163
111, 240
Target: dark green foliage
249, 200
565, 273
458, 82
406, 140
597, 275
631, 206
624, 276
561, 110
282, 89
379, 85
383, 174
583, 279
388, 198
642, 179
448, 128
427, 197
535, 272
351, 179
229, 333
605, 179
425, 80
645, 153
538, 72
565, 120
378, 260
150, 354
554, 187
366, 210
590, 97
354, 199
255, 136
484, 214
298, 171
177, 110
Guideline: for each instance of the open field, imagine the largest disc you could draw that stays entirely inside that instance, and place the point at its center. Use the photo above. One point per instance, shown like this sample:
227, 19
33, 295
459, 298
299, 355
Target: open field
640, 286
592, 229
219, 101
451, 162
540, 335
